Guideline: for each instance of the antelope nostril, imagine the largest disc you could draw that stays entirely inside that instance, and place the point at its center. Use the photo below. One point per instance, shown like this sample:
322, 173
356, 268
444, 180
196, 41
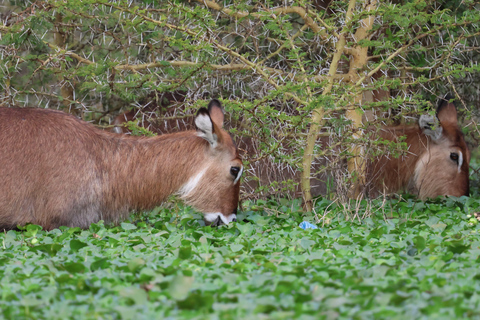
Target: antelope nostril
218, 222
234, 220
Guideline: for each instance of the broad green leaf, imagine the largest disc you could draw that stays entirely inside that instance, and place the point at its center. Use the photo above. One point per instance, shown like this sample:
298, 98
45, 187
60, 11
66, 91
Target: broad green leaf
185, 252
50, 249
180, 286
128, 226
236, 247
137, 295
100, 264
76, 245
420, 243
74, 267
135, 264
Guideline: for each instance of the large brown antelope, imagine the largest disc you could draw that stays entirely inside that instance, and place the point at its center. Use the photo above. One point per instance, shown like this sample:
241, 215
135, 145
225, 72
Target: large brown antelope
437, 159
56, 170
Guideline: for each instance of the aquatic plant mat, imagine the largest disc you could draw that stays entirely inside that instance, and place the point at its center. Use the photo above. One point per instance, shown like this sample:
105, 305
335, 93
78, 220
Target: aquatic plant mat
397, 259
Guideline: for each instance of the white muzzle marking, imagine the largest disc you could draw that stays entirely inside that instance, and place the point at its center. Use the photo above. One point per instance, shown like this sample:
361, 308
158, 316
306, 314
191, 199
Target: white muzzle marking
212, 216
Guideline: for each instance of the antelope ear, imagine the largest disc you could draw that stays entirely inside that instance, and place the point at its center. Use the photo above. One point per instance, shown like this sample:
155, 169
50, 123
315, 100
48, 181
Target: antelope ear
215, 110
446, 114
430, 126
446, 111
205, 127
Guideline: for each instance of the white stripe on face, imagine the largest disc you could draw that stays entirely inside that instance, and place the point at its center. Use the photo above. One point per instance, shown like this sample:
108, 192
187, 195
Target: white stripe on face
239, 175
212, 216
191, 183
460, 160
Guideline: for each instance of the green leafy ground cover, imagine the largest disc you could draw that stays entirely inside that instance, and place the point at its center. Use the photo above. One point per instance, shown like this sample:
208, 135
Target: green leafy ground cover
407, 260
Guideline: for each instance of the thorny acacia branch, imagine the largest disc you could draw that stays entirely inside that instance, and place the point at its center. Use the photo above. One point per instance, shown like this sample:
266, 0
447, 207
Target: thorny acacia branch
277, 11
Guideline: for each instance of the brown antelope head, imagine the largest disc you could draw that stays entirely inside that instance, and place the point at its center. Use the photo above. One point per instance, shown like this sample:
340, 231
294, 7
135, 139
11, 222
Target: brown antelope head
215, 186
437, 160
443, 168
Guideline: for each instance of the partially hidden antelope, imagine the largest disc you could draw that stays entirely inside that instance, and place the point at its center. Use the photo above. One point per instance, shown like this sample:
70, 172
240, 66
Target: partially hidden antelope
56, 170
437, 159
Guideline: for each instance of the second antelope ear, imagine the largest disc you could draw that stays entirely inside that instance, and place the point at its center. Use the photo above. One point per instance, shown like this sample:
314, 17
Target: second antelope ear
446, 111
216, 112
205, 127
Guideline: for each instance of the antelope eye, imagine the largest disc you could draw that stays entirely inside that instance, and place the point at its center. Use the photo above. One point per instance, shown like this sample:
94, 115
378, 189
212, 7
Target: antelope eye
454, 156
234, 171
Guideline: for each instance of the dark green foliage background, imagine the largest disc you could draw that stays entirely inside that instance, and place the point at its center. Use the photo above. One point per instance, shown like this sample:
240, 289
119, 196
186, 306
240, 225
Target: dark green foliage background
406, 259
269, 68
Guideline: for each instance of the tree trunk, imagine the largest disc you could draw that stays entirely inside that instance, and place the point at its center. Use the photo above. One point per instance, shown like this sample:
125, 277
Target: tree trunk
358, 62
317, 115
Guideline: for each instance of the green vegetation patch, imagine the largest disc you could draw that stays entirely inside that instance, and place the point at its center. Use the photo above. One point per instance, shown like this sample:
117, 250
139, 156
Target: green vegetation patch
407, 259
